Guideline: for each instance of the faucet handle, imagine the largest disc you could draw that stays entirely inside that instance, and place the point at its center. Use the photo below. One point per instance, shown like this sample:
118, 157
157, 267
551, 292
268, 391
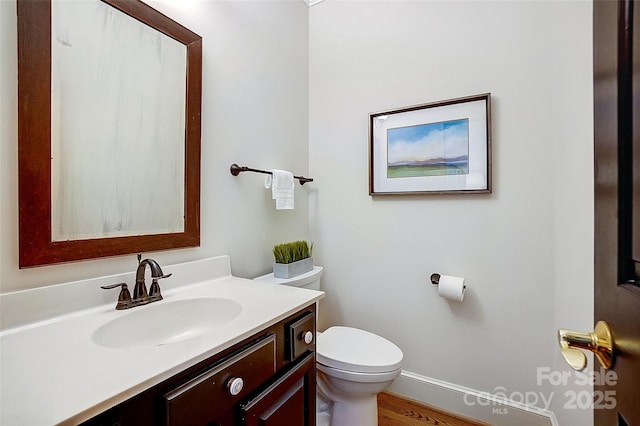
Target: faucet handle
124, 298
154, 290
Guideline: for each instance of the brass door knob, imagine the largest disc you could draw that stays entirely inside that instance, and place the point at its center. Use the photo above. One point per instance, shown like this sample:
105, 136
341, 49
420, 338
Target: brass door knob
600, 342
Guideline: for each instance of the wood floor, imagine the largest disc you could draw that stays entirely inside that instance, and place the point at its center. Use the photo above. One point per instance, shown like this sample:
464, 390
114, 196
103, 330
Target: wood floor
394, 410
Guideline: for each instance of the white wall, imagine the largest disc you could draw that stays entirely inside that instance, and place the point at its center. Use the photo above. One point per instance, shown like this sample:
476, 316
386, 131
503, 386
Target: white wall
512, 245
254, 113
572, 86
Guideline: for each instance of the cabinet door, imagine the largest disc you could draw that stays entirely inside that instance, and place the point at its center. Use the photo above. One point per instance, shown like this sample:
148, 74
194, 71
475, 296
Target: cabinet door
290, 400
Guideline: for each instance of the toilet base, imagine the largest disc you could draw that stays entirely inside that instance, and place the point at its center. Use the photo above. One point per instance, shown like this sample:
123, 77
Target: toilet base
323, 419
350, 403
359, 410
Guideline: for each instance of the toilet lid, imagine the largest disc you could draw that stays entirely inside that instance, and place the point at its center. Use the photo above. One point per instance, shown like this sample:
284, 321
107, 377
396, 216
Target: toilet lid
356, 350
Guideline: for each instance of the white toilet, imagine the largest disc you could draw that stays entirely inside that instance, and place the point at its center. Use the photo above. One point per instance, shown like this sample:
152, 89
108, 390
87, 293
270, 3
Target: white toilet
353, 365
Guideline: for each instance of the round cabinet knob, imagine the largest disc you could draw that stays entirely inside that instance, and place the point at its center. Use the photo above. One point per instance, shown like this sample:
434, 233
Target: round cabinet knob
308, 337
235, 385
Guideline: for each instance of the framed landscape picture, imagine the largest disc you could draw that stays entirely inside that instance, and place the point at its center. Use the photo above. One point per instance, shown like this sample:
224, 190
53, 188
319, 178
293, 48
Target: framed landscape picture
436, 148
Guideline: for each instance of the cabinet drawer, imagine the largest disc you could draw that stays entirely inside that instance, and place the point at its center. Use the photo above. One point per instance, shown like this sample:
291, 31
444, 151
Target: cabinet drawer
199, 400
301, 335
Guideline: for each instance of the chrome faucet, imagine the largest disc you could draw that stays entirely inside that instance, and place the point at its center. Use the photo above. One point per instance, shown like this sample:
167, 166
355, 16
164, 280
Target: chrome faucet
140, 296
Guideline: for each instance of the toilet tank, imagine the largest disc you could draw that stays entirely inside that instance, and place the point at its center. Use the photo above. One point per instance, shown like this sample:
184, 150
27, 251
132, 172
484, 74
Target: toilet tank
310, 280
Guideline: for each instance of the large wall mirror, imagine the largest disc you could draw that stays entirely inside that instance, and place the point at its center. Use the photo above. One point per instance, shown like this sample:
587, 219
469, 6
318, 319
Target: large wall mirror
109, 98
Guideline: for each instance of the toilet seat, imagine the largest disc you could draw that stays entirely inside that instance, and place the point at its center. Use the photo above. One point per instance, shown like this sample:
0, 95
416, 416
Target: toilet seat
355, 350
354, 376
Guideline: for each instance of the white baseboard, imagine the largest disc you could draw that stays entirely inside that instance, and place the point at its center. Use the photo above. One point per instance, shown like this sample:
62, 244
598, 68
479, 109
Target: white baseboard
469, 402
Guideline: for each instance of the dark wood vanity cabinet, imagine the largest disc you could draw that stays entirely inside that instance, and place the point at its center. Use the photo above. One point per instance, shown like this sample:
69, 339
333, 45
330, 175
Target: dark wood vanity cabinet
268, 379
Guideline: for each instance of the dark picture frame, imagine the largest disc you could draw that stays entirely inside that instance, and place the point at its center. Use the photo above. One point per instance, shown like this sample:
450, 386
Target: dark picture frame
440, 147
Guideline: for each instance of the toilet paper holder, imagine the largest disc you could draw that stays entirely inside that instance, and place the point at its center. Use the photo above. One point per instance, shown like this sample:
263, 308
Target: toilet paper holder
449, 287
435, 279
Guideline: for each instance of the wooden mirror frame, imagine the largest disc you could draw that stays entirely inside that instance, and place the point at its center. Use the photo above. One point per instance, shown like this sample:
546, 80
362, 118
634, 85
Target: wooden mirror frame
36, 247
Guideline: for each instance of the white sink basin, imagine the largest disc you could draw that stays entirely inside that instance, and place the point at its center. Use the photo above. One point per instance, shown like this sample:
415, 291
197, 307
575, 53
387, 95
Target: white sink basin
163, 322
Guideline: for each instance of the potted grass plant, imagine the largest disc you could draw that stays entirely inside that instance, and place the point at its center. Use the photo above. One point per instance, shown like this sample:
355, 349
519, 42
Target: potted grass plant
291, 259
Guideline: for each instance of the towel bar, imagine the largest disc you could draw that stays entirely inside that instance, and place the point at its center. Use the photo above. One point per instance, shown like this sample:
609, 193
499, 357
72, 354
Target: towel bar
236, 170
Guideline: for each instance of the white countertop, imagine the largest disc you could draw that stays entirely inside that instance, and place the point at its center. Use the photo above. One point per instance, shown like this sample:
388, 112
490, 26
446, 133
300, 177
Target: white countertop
51, 372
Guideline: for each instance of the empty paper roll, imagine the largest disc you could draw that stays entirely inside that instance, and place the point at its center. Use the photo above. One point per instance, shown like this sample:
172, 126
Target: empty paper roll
451, 288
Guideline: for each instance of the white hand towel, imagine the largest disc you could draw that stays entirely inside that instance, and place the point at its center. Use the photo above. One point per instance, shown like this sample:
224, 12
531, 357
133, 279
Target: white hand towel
282, 188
